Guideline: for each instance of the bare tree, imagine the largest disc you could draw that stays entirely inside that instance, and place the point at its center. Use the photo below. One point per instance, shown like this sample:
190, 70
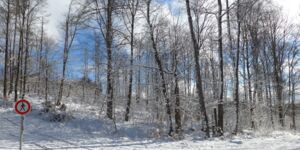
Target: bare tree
197, 68
33, 6
277, 43
40, 57
160, 66
72, 23
98, 90
49, 44
12, 53
22, 6
6, 50
220, 42
237, 65
107, 33
133, 7
109, 40
293, 61
176, 46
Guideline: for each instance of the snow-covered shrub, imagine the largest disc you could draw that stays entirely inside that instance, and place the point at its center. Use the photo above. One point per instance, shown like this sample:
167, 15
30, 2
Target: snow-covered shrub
55, 113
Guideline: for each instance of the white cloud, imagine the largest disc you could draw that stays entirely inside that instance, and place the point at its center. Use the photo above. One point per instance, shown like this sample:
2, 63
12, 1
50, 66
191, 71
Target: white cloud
56, 9
291, 8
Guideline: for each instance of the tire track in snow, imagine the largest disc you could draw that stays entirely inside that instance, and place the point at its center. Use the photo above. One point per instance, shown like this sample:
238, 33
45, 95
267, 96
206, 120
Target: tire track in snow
16, 136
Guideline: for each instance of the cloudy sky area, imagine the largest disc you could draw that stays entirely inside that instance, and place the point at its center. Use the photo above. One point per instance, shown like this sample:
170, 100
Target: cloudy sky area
291, 8
57, 9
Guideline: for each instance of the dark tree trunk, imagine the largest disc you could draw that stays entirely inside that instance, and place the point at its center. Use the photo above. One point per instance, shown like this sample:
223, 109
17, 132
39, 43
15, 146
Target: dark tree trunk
278, 80
229, 35
21, 44
237, 67
220, 41
293, 107
71, 28
65, 59
249, 85
197, 69
12, 61
161, 71
6, 51
138, 90
21, 73
26, 55
46, 75
109, 38
40, 59
177, 97
133, 9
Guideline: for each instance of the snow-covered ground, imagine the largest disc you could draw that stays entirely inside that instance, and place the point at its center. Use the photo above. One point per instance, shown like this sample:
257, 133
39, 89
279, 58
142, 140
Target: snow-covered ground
89, 132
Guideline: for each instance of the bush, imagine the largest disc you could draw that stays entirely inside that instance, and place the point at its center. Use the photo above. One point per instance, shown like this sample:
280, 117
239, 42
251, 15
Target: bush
55, 113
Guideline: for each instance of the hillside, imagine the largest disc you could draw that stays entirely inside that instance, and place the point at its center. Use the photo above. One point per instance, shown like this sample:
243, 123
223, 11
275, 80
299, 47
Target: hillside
87, 130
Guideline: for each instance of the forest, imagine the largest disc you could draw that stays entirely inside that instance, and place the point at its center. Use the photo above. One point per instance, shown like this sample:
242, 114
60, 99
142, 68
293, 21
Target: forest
215, 67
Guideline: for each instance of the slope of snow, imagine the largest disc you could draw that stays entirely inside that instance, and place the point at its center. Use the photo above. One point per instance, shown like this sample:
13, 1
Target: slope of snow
88, 131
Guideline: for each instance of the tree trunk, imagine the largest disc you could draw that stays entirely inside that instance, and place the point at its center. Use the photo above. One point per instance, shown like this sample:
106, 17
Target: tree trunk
109, 38
98, 90
277, 74
70, 34
293, 107
40, 59
12, 61
237, 67
133, 8
177, 97
46, 76
220, 41
85, 74
26, 55
6, 51
197, 69
161, 71
65, 59
21, 44
249, 84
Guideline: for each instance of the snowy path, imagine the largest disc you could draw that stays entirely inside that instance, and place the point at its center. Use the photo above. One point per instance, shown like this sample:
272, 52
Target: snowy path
42, 135
35, 137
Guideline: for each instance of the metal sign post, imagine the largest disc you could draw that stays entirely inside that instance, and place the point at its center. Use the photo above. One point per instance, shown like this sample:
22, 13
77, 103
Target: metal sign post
21, 131
22, 107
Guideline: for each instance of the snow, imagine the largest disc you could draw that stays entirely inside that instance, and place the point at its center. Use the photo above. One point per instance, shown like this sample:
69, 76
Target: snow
89, 131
